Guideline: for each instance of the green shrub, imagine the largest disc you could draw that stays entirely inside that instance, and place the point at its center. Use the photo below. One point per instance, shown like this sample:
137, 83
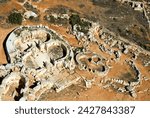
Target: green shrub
15, 18
74, 19
83, 26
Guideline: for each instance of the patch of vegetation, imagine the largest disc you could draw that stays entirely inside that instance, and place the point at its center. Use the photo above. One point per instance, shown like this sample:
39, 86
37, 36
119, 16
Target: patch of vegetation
4, 1
58, 20
104, 3
15, 18
146, 47
60, 9
74, 19
139, 36
29, 7
82, 25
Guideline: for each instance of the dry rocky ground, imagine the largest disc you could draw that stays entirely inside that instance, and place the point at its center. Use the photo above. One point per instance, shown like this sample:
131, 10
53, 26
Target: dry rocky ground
120, 36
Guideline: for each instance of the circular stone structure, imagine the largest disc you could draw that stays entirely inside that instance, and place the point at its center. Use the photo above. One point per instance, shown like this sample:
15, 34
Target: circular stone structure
36, 42
40, 56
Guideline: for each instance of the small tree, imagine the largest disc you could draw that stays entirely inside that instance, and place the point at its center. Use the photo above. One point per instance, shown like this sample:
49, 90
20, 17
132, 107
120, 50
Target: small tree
15, 18
74, 19
82, 26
